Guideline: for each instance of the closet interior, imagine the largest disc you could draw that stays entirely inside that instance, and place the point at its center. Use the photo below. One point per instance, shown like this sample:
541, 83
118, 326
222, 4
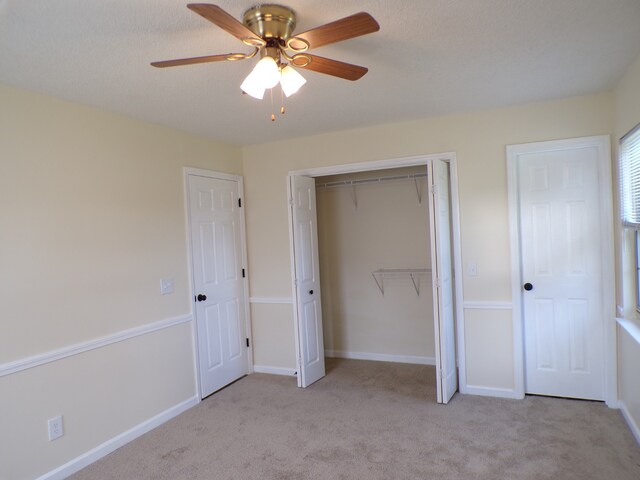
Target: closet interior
375, 265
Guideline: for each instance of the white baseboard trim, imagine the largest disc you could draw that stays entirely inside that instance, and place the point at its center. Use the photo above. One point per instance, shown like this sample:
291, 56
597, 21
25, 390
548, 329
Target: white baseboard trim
633, 425
54, 355
381, 357
118, 441
274, 370
490, 392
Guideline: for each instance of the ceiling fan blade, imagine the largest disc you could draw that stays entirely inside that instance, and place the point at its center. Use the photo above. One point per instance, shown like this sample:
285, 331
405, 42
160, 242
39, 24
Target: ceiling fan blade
329, 67
349, 27
216, 15
191, 61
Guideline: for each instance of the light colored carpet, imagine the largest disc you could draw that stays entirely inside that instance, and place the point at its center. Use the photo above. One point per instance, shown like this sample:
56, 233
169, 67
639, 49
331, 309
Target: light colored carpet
373, 420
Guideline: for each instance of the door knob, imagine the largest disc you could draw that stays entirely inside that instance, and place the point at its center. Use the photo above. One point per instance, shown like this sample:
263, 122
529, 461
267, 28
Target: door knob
201, 297
528, 287
310, 292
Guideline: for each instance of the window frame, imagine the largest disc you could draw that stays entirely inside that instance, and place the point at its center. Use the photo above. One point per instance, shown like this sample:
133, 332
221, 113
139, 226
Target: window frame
629, 178
629, 198
636, 275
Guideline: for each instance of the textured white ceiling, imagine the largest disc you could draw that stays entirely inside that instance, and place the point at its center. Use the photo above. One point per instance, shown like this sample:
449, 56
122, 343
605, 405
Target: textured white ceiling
430, 57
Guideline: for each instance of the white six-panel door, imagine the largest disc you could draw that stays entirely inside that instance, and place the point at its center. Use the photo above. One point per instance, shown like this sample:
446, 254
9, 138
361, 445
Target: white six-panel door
307, 279
442, 277
561, 260
219, 287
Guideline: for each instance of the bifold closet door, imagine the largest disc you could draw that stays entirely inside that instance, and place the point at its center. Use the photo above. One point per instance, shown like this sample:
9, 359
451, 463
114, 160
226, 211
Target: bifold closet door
442, 271
307, 279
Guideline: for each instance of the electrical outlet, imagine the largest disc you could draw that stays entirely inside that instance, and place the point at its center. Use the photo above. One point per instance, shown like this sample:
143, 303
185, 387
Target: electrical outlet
472, 269
166, 286
55, 428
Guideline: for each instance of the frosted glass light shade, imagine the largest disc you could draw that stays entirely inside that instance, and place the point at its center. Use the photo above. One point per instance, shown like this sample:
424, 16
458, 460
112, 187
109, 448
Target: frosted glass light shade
265, 74
268, 72
252, 85
291, 81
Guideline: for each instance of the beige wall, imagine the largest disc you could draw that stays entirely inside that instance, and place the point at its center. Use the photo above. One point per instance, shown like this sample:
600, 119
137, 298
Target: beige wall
273, 322
388, 229
92, 212
479, 140
627, 115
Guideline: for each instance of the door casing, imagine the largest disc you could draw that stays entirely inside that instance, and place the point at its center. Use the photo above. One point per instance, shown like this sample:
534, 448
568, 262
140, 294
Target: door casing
449, 157
602, 144
187, 171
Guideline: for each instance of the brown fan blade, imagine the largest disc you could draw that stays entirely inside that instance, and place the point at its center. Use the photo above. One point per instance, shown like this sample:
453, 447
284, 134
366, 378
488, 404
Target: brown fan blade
216, 15
328, 66
349, 27
192, 60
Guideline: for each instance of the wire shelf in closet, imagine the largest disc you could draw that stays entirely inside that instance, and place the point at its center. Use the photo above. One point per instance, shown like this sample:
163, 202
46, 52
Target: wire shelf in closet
416, 177
415, 274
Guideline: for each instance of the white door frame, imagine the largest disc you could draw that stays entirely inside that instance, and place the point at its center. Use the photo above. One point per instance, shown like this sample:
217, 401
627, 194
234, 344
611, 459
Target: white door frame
602, 143
413, 161
188, 171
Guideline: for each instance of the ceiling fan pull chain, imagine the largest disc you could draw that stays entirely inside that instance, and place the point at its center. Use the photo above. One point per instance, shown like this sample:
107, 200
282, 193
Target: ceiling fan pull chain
273, 115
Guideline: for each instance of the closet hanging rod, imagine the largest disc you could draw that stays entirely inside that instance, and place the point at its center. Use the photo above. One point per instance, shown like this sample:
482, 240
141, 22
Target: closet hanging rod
364, 181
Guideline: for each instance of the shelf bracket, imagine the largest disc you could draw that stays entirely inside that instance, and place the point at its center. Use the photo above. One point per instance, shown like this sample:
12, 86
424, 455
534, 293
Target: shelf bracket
418, 189
379, 283
416, 285
354, 195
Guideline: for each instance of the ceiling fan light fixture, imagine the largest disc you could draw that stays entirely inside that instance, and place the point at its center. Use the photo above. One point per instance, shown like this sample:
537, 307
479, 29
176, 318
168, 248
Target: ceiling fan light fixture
290, 80
267, 71
252, 86
265, 75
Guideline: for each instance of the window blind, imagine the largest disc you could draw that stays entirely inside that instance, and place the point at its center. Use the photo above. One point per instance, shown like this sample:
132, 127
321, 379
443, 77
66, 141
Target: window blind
630, 178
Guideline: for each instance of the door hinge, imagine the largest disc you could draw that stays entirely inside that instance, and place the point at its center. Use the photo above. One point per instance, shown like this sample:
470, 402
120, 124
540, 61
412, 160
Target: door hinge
291, 201
243, 274
247, 342
433, 189
240, 202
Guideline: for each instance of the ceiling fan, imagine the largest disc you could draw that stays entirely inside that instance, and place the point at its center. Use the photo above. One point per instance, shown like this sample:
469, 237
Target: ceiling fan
269, 30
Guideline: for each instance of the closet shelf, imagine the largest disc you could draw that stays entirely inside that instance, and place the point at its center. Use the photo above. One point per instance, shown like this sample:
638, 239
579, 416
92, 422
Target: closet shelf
367, 181
395, 273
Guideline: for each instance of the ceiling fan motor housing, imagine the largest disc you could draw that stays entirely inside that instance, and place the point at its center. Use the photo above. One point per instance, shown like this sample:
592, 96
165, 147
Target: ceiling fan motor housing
271, 22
